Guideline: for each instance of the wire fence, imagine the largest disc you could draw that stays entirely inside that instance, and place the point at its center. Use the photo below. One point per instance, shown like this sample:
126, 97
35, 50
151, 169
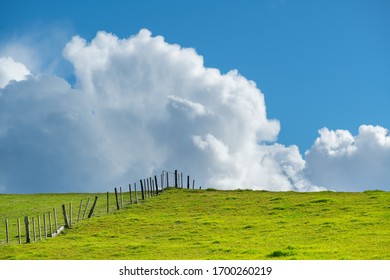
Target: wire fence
32, 218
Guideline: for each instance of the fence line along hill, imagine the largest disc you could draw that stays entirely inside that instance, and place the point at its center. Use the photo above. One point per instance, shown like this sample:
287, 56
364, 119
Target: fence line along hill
32, 218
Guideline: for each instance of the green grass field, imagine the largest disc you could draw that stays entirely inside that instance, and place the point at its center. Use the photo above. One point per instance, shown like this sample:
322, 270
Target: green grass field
208, 224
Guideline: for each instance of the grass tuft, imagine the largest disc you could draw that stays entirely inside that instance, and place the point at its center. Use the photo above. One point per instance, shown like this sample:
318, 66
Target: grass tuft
322, 200
279, 254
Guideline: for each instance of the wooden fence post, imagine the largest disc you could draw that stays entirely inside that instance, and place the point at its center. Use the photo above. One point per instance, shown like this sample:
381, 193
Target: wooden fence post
131, 200
193, 184
175, 178
65, 216
162, 180
116, 198
6, 230
135, 192
93, 207
108, 202
142, 190
34, 232
55, 218
146, 186
86, 207
188, 182
167, 179
155, 182
51, 225
44, 224
39, 227
70, 214
120, 192
19, 233
181, 177
80, 207
27, 224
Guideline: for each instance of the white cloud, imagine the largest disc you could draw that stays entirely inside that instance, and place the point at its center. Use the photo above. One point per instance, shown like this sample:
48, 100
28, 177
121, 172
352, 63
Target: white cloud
341, 161
212, 145
191, 109
11, 70
140, 105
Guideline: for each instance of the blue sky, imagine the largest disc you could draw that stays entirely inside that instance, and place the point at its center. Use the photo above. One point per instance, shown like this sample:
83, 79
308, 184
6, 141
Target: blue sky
319, 64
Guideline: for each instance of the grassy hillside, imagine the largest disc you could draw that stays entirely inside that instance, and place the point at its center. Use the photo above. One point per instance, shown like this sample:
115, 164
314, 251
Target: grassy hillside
206, 224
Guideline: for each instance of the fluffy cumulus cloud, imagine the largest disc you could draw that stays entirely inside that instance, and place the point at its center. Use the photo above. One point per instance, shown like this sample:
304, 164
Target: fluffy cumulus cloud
11, 70
139, 105
345, 162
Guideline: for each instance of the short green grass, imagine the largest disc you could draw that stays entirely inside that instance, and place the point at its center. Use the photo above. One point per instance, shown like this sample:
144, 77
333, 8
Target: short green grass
14, 206
202, 224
